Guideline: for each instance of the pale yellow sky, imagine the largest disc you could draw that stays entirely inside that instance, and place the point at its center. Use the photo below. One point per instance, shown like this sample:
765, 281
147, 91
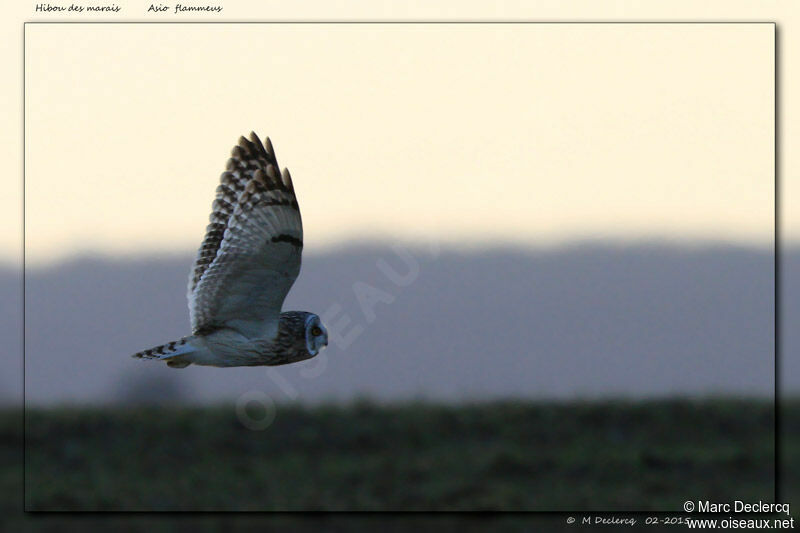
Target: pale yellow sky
476, 133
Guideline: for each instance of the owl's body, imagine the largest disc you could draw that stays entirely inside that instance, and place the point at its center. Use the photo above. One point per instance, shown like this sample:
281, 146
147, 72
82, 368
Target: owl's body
247, 263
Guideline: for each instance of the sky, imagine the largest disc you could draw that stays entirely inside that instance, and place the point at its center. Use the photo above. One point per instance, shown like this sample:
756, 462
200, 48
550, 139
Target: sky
466, 134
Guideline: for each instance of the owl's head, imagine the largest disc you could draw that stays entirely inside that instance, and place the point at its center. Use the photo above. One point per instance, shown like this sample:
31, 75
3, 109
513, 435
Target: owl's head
301, 336
315, 333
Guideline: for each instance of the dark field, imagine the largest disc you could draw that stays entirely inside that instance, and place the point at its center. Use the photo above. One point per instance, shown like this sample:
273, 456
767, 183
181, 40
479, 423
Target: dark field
597, 456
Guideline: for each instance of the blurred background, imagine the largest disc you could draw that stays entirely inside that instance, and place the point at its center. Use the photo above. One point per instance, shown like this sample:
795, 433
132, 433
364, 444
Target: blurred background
545, 254
584, 321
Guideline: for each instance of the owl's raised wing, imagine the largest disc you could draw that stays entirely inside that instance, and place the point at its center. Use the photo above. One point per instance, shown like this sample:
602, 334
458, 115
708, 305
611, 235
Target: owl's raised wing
251, 254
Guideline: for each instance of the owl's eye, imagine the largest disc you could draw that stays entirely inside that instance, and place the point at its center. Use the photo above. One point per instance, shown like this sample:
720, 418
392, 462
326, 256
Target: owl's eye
316, 331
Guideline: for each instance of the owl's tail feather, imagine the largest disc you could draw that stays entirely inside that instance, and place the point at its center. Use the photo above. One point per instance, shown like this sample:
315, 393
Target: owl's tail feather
170, 352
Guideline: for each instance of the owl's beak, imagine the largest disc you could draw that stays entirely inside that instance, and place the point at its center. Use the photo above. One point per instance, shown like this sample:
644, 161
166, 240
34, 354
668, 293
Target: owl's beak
324, 337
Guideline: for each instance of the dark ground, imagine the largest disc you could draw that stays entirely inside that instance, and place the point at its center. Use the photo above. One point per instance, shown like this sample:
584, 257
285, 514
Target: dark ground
587, 456
416, 456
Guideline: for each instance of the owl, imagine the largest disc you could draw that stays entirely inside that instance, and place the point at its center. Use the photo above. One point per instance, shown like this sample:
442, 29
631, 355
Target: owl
245, 266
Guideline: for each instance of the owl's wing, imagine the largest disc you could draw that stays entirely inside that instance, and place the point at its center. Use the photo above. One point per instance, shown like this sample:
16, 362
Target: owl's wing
250, 256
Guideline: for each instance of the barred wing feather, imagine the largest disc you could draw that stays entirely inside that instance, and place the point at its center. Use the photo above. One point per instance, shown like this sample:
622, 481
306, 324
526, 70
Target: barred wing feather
251, 254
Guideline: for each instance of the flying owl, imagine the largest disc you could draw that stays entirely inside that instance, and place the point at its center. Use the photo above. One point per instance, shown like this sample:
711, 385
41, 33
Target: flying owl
244, 269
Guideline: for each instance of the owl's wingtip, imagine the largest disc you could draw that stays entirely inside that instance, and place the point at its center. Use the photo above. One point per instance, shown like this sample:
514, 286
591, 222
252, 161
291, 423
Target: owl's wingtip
254, 143
287, 179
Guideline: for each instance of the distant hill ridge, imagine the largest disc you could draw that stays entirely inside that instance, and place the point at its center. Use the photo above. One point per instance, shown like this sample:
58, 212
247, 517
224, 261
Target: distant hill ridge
586, 320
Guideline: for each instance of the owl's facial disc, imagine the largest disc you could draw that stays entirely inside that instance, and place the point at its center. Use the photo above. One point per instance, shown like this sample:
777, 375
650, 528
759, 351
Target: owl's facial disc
316, 335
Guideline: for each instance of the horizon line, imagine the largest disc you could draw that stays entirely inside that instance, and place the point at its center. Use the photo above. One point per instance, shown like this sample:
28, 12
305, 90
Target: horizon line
555, 245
